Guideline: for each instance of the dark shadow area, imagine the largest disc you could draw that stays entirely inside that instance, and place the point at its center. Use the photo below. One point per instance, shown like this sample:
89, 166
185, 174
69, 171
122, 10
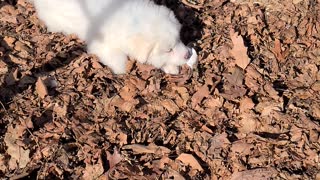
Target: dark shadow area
8, 91
7, 2
191, 25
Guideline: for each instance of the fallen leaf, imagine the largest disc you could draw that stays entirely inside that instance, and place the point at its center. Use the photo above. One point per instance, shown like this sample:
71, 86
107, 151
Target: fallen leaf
169, 105
141, 149
256, 174
3, 67
239, 51
60, 110
12, 77
114, 158
248, 123
240, 147
201, 93
19, 156
277, 50
175, 175
246, 104
41, 88
93, 171
236, 77
3, 163
190, 160
9, 41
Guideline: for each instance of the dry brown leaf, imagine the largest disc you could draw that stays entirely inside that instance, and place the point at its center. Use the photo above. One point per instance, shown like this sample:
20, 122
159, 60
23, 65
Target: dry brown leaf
239, 51
266, 107
128, 92
256, 174
122, 138
190, 160
219, 141
246, 104
271, 91
315, 110
3, 67
9, 19
213, 102
236, 77
122, 104
248, 123
19, 156
9, 41
41, 88
61, 111
277, 51
175, 175
316, 86
169, 105
93, 171
141, 149
242, 148
295, 133
201, 93
3, 163
12, 77
183, 93
114, 158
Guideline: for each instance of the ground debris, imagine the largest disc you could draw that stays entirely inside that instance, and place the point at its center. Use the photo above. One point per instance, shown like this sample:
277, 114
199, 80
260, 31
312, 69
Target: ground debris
250, 109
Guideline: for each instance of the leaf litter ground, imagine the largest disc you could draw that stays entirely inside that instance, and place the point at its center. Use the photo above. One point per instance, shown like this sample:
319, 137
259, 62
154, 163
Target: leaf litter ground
249, 110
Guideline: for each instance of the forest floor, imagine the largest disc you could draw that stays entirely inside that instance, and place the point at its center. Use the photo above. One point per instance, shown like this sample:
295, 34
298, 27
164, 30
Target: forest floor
249, 109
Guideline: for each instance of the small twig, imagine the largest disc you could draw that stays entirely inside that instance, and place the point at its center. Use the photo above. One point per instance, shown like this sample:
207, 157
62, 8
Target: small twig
186, 2
3, 106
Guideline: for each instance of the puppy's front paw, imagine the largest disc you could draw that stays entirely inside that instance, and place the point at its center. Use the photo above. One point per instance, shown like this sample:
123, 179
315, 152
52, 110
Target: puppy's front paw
170, 69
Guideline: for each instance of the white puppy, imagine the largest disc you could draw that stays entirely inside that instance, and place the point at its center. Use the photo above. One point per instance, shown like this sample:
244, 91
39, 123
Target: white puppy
115, 29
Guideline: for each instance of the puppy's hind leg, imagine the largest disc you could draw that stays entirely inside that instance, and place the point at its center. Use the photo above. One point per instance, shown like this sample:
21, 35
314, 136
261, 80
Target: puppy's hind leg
111, 57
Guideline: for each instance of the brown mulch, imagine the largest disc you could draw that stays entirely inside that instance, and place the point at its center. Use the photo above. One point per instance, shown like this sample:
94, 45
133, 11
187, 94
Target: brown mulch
249, 110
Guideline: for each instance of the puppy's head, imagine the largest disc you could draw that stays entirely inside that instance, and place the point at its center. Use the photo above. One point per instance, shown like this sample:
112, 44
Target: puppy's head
168, 48
160, 44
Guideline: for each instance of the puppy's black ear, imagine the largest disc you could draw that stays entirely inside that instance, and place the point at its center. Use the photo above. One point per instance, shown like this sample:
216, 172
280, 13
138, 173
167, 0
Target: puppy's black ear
141, 47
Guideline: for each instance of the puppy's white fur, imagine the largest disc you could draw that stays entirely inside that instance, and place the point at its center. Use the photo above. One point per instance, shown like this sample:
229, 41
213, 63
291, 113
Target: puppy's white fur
115, 29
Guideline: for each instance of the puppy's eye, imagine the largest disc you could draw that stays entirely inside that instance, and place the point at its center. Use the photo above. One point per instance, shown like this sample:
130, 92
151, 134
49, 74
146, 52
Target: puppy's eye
170, 50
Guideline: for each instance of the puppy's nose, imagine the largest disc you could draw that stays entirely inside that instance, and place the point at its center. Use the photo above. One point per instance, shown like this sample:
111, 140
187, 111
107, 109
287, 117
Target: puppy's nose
188, 54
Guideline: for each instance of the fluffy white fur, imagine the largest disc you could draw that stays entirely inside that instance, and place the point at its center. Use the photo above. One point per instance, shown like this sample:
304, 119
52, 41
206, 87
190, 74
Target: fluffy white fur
116, 29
